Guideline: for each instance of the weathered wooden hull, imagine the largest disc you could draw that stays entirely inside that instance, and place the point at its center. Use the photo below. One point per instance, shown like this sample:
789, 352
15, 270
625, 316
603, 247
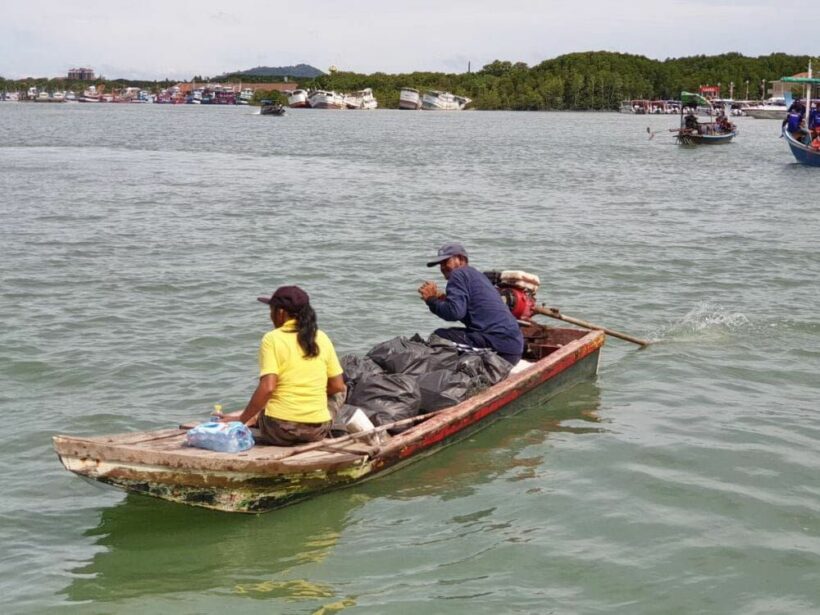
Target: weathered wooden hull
264, 478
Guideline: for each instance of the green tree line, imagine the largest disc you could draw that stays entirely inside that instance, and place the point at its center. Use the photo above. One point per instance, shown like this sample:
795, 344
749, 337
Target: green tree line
597, 80
581, 81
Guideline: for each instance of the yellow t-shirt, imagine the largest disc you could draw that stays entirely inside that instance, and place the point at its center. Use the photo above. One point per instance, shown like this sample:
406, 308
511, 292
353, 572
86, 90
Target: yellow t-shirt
301, 389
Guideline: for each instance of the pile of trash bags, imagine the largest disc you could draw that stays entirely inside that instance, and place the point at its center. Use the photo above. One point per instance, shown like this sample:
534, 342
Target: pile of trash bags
403, 377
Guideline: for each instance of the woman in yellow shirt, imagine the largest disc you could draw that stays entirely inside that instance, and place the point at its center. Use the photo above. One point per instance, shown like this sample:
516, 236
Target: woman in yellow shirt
298, 371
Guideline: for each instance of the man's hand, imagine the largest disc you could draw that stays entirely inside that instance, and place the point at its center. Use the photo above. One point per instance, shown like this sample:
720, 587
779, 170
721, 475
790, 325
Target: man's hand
428, 291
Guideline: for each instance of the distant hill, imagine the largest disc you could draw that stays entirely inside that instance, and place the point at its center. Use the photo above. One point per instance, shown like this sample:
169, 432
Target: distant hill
300, 71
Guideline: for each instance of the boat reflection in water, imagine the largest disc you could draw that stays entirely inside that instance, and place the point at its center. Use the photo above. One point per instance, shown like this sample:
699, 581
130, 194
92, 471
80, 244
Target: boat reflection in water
152, 553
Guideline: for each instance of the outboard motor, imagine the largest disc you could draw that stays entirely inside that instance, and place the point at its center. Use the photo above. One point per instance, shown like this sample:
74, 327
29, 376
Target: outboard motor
518, 289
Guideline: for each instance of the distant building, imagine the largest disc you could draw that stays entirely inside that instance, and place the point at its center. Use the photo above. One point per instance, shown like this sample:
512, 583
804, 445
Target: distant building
778, 89
81, 74
709, 91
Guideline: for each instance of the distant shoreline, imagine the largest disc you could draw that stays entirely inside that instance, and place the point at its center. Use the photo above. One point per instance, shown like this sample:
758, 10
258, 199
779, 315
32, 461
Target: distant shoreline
585, 81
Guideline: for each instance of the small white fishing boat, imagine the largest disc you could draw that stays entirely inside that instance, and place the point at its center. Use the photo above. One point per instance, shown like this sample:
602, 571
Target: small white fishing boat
443, 101
409, 99
298, 99
90, 94
324, 99
772, 109
363, 99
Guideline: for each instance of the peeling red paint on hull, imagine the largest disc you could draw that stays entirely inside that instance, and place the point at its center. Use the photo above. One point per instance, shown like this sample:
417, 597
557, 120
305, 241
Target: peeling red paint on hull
158, 464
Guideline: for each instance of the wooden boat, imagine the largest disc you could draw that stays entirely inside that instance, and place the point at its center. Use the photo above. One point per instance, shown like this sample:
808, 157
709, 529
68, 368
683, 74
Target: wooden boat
802, 152
707, 137
158, 463
799, 143
693, 132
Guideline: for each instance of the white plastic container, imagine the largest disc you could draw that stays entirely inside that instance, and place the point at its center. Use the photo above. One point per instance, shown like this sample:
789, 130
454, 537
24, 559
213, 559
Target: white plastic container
360, 422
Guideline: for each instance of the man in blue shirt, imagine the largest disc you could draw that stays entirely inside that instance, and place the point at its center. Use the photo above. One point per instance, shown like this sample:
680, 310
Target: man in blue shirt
473, 300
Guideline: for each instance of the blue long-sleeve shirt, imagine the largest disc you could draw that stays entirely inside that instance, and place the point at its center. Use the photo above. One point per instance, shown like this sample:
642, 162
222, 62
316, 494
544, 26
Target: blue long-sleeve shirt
474, 301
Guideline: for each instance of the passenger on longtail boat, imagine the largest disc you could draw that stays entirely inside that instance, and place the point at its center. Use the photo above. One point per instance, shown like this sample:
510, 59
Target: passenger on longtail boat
298, 371
471, 298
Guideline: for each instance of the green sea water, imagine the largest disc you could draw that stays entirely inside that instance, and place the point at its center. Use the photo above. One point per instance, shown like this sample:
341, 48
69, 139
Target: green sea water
683, 479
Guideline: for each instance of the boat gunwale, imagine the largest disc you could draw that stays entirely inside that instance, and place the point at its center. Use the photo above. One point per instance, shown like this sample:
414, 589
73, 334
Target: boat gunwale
430, 432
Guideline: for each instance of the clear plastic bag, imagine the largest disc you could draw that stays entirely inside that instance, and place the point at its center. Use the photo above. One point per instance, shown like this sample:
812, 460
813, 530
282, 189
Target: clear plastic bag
232, 437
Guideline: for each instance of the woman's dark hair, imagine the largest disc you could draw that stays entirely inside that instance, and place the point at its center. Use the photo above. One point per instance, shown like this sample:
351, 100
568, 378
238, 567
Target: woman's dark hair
306, 330
296, 303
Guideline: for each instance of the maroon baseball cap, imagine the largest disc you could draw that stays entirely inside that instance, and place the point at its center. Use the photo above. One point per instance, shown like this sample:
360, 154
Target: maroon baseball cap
291, 298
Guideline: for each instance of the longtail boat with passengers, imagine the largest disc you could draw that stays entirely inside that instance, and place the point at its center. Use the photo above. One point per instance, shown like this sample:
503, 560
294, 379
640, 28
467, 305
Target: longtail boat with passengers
800, 142
158, 463
694, 132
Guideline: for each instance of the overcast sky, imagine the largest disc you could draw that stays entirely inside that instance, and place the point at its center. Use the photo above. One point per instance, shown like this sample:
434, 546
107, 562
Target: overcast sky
176, 39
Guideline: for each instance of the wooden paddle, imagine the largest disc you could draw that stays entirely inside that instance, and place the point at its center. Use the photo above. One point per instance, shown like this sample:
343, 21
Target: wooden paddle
556, 313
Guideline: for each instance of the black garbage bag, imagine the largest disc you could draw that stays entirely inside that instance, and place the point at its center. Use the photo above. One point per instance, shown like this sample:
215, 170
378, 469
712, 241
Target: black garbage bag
386, 398
436, 341
484, 366
496, 367
472, 364
356, 368
444, 388
412, 356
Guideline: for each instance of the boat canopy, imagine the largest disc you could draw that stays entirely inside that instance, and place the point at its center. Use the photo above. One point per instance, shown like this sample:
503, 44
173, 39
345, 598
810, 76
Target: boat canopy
804, 80
691, 97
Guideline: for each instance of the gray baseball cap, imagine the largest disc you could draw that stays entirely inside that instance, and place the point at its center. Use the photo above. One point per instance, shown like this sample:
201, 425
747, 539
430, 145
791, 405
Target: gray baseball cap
452, 248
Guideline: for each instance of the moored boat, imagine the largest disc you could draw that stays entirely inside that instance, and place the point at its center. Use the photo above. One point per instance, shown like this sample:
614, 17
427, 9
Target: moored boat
362, 99
324, 99
91, 94
655, 107
443, 101
409, 98
771, 109
157, 463
298, 99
